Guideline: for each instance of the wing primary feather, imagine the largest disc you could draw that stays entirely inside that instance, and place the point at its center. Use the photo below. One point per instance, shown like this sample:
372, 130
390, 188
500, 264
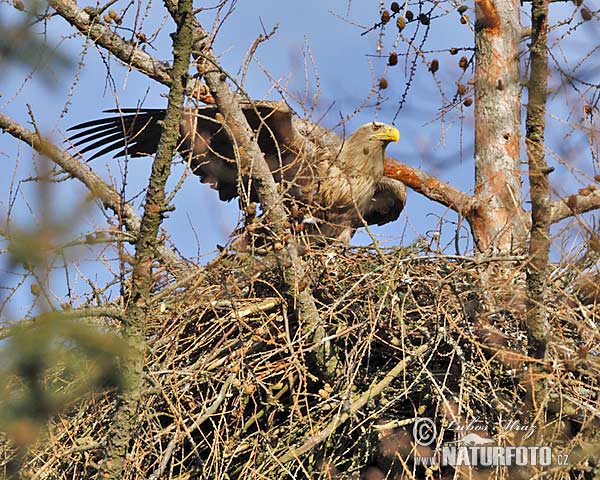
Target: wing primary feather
93, 134
134, 131
92, 123
104, 141
115, 146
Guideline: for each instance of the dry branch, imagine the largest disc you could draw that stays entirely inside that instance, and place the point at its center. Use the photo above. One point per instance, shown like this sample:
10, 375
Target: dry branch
574, 205
429, 186
372, 393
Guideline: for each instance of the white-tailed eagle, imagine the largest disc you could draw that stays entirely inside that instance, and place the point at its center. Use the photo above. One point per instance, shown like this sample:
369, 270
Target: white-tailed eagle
337, 184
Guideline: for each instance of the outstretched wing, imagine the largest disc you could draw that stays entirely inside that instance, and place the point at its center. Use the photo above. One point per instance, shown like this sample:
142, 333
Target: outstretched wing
136, 132
133, 132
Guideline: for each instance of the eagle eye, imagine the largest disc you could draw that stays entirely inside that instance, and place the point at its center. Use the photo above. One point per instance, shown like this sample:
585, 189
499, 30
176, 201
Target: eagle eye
376, 126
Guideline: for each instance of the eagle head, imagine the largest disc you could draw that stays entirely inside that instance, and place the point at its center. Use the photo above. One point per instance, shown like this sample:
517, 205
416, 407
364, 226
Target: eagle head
383, 132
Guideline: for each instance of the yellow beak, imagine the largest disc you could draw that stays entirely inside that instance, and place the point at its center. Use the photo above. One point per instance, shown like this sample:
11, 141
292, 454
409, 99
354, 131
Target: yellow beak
387, 133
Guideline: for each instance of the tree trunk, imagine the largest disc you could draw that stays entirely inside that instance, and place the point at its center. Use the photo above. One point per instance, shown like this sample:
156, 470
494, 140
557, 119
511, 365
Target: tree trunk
497, 219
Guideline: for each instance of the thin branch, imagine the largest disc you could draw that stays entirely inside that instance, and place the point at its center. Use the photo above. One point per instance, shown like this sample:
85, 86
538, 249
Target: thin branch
574, 205
86, 447
539, 244
198, 421
140, 302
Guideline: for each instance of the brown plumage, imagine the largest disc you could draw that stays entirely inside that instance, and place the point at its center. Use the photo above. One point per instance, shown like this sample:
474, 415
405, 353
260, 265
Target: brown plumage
337, 184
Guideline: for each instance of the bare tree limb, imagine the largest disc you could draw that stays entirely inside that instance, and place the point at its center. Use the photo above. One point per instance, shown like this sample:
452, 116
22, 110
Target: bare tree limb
428, 186
89, 23
539, 242
139, 305
574, 205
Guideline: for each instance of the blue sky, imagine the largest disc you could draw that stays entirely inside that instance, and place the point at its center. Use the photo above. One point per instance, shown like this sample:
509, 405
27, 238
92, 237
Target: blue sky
347, 64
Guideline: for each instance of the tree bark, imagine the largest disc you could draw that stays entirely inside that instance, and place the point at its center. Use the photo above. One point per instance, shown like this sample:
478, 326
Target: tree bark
498, 220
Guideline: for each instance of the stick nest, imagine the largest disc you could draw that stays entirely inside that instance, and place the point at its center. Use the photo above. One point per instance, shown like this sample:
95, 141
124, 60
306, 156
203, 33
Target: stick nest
234, 390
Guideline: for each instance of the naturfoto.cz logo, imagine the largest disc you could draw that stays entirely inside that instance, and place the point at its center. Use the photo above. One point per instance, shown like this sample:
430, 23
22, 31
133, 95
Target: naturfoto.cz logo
475, 450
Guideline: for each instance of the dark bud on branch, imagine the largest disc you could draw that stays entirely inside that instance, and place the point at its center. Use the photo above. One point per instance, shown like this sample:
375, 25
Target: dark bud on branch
393, 59
586, 14
115, 17
395, 7
385, 16
92, 12
383, 83
584, 192
434, 66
